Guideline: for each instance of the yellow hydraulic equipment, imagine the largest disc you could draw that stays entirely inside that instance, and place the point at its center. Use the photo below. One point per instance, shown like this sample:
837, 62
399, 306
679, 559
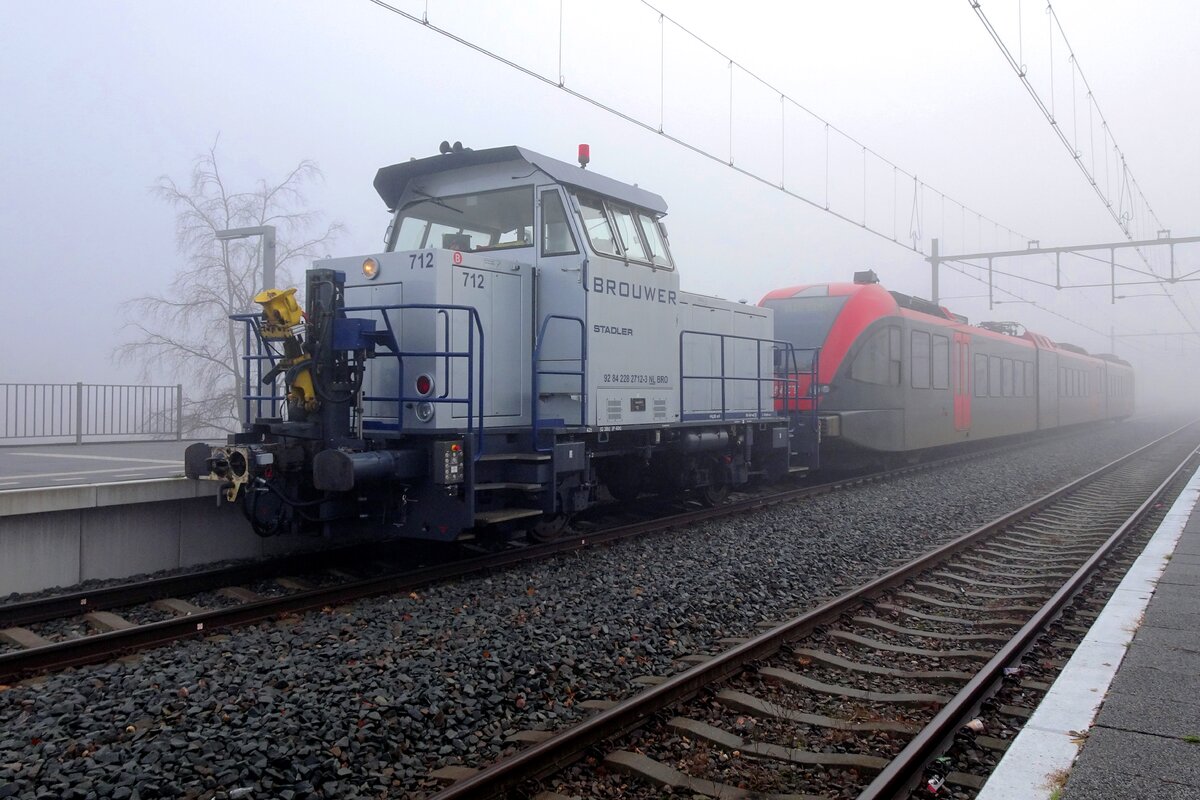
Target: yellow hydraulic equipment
283, 321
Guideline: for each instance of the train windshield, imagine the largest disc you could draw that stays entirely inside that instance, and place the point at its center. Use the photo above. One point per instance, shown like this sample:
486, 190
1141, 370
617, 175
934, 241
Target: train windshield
494, 220
805, 321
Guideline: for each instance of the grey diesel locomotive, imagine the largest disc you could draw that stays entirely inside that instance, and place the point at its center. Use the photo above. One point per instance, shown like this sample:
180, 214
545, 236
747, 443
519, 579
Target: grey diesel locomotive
522, 342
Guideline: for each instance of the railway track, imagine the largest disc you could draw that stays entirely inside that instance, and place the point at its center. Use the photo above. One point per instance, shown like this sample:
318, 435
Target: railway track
885, 691
107, 622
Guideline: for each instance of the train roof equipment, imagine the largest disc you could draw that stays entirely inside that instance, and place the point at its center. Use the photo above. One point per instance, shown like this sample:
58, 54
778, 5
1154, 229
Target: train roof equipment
392, 181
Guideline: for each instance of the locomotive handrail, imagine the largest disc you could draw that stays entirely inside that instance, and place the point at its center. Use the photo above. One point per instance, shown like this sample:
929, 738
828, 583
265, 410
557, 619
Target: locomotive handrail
393, 345
252, 361
787, 382
537, 373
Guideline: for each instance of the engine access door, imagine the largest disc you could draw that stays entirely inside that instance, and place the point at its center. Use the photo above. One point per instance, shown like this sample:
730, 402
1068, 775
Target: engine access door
501, 294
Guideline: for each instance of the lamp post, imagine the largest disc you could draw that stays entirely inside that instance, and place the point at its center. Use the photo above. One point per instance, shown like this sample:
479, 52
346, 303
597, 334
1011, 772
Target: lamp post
267, 232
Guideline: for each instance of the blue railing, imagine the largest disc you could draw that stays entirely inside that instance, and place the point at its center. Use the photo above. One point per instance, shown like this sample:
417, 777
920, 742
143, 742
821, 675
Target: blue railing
257, 354
790, 381
259, 360
538, 372
473, 400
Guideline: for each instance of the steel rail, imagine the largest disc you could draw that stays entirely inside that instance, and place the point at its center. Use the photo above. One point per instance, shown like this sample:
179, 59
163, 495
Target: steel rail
556, 752
59, 606
97, 647
100, 646
41, 609
904, 771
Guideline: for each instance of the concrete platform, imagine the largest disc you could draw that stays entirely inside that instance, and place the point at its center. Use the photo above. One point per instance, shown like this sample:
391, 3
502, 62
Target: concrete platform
1132, 686
32, 466
88, 516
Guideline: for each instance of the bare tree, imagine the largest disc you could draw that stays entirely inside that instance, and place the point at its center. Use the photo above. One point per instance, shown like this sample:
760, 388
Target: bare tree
187, 331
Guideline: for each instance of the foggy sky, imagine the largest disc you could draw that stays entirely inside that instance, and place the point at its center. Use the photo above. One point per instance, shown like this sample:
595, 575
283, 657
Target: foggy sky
99, 100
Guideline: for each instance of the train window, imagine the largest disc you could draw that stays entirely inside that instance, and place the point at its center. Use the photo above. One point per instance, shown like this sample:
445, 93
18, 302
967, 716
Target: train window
411, 234
1018, 379
557, 239
1006, 381
894, 360
805, 320
879, 359
492, 220
595, 223
653, 234
1030, 380
994, 372
919, 369
981, 375
941, 362
631, 240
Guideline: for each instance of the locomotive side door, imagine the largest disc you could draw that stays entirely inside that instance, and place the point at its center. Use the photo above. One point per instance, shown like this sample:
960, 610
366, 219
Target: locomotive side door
560, 318
962, 381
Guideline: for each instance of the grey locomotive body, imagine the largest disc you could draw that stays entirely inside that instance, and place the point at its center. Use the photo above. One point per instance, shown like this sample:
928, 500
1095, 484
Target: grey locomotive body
522, 341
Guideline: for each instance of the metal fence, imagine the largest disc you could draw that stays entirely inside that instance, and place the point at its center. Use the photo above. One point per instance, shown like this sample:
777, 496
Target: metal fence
89, 411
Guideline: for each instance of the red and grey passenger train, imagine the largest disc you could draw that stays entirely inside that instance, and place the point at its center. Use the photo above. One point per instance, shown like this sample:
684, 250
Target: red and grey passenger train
900, 374
524, 341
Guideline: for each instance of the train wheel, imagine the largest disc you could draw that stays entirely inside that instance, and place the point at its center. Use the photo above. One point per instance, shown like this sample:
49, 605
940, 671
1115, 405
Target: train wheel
548, 529
713, 494
624, 478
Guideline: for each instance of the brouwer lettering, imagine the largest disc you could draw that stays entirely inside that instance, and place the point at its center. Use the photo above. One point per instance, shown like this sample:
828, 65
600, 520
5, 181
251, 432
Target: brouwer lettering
635, 291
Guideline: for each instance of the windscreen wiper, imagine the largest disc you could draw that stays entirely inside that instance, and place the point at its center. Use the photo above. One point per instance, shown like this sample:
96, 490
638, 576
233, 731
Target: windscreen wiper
436, 201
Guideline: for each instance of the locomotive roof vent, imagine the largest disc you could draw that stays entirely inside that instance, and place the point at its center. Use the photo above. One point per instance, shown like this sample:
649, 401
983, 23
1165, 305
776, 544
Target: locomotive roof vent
866, 276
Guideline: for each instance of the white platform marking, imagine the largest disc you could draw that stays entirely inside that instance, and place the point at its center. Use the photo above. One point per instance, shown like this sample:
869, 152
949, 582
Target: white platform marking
99, 458
57, 475
1045, 745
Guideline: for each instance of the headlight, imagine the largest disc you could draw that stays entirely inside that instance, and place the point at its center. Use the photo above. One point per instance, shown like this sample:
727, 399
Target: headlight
424, 411
370, 268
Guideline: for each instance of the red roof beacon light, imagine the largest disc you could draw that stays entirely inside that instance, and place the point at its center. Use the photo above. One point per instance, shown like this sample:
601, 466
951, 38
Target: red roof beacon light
585, 155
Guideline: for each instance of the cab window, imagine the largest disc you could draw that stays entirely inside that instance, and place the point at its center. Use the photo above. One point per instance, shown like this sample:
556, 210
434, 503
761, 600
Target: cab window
654, 240
491, 220
557, 239
631, 240
595, 223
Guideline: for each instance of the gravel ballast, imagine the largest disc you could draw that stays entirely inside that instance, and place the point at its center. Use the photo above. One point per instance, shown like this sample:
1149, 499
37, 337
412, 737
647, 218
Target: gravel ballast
364, 701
